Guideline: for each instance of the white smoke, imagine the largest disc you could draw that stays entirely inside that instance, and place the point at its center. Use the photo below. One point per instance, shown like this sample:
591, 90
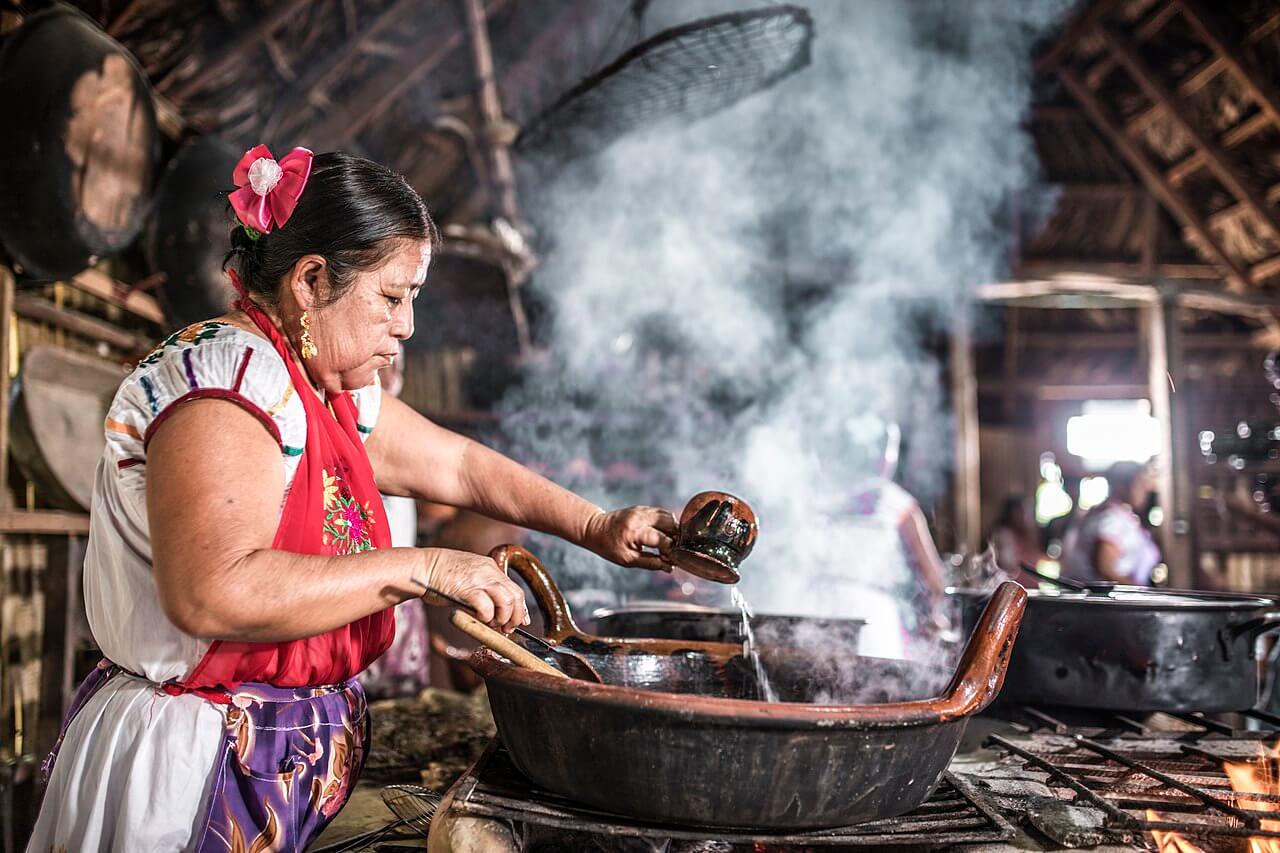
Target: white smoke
727, 299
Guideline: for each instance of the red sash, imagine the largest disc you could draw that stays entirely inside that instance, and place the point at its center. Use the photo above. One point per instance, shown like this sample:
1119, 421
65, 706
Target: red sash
333, 508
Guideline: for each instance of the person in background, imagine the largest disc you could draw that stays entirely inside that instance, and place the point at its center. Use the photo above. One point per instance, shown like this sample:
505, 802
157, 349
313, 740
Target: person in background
1015, 540
403, 669
903, 600
1110, 542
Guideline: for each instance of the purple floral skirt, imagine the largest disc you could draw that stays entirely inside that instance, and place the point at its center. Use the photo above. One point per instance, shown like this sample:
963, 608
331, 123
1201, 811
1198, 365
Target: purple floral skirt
290, 759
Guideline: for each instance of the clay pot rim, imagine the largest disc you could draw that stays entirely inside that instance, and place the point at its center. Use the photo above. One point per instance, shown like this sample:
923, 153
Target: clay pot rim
729, 711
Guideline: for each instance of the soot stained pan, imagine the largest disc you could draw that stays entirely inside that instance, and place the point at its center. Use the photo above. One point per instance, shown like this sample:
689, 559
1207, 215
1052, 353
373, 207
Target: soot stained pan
671, 736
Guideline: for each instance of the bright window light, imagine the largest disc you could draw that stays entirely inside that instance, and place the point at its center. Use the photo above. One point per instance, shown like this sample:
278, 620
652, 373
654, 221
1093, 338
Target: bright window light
1093, 491
1110, 431
1052, 501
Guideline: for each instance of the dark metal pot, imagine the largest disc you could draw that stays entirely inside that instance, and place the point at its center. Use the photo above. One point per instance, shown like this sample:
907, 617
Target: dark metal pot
1136, 649
188, 236
80, 147
673, 621
672, 737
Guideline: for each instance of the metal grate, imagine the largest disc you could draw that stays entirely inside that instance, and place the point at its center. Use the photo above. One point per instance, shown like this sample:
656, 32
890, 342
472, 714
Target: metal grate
687, 72
1120, 766
955, 814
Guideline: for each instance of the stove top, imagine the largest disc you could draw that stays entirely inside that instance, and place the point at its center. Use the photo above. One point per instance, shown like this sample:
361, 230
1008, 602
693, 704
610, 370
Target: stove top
1028, 779
1074, 779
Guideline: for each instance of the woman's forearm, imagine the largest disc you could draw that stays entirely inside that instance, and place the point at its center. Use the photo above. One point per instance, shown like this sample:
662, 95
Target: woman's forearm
412, 456
297, 595
507, 491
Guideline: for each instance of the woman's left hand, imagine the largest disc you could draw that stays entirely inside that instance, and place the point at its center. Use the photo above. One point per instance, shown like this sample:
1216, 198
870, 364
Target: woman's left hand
623, 535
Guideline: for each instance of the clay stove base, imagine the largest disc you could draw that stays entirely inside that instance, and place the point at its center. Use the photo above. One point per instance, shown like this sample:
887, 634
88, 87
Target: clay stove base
492, 797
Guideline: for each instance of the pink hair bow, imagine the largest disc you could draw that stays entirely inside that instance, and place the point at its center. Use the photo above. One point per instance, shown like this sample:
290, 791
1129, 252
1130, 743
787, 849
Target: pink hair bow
268, 191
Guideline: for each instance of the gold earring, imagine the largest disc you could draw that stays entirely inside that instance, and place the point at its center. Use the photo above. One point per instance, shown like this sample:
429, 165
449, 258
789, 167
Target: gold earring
309, 349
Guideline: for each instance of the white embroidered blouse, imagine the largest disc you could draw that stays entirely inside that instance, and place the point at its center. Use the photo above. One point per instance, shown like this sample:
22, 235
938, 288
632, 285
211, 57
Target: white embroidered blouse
206, 360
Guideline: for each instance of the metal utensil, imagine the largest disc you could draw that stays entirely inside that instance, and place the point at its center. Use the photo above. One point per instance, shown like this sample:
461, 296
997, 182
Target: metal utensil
569, 663
413, 806
1069, 583
500, 643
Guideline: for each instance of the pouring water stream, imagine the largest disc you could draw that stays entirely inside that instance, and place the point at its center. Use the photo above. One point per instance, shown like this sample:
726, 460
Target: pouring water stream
749, 650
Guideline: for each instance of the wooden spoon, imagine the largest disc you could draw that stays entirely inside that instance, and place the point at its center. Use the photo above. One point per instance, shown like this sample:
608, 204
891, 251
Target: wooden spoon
482, 633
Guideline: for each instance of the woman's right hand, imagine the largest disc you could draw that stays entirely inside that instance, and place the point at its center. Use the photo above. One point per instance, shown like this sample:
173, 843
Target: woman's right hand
475, 580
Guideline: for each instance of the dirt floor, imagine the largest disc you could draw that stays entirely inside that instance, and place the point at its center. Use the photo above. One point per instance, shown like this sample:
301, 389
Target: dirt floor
428, 740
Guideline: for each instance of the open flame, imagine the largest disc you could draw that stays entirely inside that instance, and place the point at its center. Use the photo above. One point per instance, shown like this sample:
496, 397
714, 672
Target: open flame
1260, 777
1170, 842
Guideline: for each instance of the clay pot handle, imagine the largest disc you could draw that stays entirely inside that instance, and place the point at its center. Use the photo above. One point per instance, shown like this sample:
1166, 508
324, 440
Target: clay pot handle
980, 675
555, 610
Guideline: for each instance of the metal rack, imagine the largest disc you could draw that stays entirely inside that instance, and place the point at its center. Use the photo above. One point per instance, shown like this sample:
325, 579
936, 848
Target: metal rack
955, 814
1124, 768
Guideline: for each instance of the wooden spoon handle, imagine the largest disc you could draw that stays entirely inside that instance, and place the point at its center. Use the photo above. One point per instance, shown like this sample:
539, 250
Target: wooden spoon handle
482, 633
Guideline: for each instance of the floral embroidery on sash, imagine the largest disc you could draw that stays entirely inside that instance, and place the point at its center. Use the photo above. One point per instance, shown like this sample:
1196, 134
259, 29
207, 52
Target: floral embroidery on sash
347, 522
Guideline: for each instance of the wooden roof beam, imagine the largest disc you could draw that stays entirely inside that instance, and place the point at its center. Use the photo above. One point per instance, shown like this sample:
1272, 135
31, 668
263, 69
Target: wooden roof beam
1253, 81
376, 96
1216, 158
127, 14
1155, 181
242, 45
1224, 216
316, 82
1200, 77
1232, 137
1147, 30
1084, 21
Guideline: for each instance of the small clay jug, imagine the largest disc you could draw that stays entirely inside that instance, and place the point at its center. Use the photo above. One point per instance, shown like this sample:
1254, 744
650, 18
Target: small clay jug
717, 532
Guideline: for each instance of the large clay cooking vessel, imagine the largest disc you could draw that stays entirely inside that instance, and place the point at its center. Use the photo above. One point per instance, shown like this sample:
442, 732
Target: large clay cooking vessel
671, 736
62, 399
80, 147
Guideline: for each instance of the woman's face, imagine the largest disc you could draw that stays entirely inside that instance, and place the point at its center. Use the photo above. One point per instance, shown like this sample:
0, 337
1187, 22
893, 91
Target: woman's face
360, 333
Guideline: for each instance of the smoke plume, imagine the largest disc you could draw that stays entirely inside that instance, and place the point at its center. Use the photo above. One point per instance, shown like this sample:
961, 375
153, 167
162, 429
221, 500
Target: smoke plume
739, 303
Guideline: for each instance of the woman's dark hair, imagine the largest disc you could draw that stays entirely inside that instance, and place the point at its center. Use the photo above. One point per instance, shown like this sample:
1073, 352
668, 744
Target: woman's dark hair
349, 212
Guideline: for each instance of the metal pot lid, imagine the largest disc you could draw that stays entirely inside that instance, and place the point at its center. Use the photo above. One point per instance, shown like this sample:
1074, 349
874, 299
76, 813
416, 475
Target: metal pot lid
1146, 598
655, 607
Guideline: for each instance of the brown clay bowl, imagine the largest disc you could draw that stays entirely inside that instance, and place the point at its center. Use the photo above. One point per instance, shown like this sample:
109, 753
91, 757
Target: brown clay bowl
717, 532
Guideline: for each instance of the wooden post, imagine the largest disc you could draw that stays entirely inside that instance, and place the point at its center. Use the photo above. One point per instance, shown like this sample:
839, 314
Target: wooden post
1012, 347
1165, 362
7, 346
59, 636
964, 397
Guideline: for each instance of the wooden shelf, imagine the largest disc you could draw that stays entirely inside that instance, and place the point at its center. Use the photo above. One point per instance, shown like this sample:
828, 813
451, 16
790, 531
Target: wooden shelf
47, 521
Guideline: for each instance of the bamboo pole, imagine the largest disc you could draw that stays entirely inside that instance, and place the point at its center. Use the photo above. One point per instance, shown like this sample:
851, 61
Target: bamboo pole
1165, 374
964, 399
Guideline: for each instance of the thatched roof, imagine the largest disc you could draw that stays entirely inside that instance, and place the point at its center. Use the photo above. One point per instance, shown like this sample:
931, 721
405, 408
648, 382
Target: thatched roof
391, 79
1157, 120
1160, 122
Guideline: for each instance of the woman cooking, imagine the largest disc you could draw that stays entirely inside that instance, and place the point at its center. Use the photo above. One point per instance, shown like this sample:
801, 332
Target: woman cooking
1110, 543
239, 573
